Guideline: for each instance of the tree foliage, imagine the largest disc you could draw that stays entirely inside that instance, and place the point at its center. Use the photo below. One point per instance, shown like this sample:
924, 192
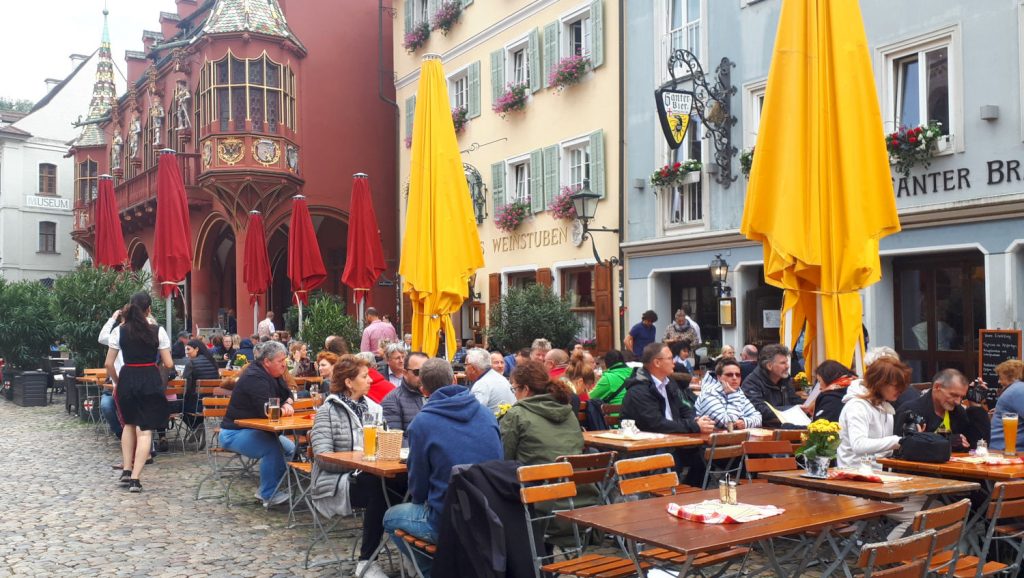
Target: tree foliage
26, 323
15, 105
325, 315
525, 314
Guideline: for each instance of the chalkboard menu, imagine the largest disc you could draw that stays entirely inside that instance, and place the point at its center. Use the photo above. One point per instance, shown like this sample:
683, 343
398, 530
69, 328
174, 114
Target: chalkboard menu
995, 347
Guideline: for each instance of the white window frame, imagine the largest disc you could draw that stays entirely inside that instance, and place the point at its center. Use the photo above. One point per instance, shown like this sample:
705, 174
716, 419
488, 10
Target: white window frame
695, 179
663, 40
513, 271
421, 7
566, 150
753, 100
511, 182
511, 49
461, 75
889, 54
580, 14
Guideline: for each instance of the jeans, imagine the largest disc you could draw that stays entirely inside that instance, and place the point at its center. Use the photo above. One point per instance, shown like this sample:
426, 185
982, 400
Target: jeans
268, 448
414, 519
109, 412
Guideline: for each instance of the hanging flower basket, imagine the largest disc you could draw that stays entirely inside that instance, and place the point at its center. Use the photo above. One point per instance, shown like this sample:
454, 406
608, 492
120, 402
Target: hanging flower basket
514, 99
747, 161
417, 37
562, 207
673, 174
446, 16
912, 145
569, 71
508, 217
460, 118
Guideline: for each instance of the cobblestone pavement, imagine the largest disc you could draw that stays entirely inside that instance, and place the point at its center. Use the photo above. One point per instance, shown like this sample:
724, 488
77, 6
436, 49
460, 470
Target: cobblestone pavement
64, 514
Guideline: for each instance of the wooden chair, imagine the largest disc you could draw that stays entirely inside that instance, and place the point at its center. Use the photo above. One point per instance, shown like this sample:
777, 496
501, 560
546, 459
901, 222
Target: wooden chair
1006, 503
793, 436
656, 475
773, 456
724, 455
223, 463
612, 414
582, 414
902, 558
948, 522
593, 469
549, 482
423, 547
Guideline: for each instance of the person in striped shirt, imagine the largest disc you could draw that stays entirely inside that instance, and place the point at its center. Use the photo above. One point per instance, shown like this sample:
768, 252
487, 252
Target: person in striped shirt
725, 402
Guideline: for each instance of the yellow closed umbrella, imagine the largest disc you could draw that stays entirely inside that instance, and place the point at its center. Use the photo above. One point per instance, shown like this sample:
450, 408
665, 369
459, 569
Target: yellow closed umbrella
441, 247
820, 194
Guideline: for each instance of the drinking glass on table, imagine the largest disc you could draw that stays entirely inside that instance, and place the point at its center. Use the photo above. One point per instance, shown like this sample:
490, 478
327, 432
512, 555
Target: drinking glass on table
314, 394
371, 421
272, 409
1010, 433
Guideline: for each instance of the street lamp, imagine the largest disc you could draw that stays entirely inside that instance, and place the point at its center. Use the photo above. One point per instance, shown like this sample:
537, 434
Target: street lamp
584, 202
719, 269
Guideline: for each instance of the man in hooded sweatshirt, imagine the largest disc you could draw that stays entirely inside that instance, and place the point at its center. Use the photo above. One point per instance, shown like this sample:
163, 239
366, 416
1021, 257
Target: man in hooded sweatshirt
452, 428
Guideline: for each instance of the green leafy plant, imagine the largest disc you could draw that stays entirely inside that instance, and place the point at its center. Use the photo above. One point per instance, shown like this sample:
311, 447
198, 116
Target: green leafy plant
525, 314
325, 315
820, 441
747, 161
910, 146
26, 323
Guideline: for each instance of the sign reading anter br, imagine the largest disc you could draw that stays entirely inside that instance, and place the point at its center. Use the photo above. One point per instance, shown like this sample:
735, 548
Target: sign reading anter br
48, 202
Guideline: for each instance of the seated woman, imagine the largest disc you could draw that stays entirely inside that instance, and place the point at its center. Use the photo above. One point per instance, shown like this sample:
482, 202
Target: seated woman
325, 361
260, 381
199, 364
725, 402
300, 362
834, 380
1011, 400
541, 425
579, 374
610, 388
228, 348
338, 428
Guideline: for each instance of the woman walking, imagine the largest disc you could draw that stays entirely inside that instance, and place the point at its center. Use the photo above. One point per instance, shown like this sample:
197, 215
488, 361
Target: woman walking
139, 388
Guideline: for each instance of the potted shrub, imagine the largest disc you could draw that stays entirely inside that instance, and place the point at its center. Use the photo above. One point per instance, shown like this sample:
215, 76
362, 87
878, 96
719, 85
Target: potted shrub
446, 16
672, 175
562, 207
568, 71
460, 118
910, 146
417, 37
819, 449
530, 312
514, 99
325, 315
509, 216
747, 161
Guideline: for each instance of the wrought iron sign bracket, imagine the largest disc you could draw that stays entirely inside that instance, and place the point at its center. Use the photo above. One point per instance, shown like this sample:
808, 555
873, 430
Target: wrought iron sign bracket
713, 108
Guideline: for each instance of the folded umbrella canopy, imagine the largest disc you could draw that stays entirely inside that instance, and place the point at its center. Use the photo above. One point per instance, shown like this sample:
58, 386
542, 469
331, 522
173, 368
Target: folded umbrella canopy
820, 194
256, 268
172, 249
441, 247
305, 265
110, 249
364, 261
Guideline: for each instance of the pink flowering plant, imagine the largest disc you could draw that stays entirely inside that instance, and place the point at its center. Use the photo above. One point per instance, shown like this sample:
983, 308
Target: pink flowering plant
408, 142
460, 118
417, 37
446, 16
509, 216
909, 146
514, 99
561, 206
568, 71
673, 174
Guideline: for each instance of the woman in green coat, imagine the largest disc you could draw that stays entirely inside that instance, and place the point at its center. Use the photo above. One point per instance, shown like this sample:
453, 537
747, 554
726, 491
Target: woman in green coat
609, 389
541, 425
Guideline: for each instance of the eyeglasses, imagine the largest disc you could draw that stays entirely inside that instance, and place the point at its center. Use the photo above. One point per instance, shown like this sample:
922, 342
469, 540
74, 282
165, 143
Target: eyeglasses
517, 388
415, 372
732, 375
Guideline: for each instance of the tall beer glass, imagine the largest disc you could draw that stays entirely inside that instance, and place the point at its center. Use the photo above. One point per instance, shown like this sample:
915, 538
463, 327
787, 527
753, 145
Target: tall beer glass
1010, 433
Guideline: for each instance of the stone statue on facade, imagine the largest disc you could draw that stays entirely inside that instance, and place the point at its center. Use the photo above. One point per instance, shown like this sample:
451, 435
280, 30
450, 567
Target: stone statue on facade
182, 99
134, 133
116, 147
156, 116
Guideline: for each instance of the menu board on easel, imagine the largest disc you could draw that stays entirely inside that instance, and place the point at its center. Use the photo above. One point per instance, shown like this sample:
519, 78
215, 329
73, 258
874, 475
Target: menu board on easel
994, 347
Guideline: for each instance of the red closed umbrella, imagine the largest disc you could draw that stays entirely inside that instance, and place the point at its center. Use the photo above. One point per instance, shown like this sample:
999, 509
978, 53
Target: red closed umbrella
110, 249
365, 260
305, 265
256, 268
172, 249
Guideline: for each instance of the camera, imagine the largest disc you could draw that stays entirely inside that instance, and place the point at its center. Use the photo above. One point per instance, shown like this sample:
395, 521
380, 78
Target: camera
912, 423
978, 392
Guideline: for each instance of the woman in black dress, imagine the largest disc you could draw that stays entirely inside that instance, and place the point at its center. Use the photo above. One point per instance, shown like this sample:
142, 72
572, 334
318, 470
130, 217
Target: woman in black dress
139, 388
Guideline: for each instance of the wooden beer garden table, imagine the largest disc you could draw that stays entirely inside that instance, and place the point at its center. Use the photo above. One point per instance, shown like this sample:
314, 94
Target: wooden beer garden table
354, 460
891, 491
598, 439
292, 423
648, 522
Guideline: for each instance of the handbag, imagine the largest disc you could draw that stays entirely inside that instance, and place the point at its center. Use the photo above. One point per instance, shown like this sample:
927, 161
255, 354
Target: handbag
925, 447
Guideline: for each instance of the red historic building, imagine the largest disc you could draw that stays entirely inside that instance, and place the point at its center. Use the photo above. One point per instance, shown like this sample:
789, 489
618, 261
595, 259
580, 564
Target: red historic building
262, 99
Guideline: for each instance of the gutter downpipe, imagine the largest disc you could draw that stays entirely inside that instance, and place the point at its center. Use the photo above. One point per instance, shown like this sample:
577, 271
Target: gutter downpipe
622, 175
397, 152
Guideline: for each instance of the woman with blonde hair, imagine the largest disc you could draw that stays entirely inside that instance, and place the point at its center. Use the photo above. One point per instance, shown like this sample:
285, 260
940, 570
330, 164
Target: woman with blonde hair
1011, 379
579, 374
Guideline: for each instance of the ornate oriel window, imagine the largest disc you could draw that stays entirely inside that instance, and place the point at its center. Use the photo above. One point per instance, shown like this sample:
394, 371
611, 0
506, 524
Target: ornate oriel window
86, 181
235, 90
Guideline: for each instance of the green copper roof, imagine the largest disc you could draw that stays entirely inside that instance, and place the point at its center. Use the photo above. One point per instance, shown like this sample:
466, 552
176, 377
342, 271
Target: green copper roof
103, 94
261, 16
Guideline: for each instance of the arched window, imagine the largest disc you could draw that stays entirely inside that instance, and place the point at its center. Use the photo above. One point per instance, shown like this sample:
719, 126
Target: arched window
47, 179
258, 90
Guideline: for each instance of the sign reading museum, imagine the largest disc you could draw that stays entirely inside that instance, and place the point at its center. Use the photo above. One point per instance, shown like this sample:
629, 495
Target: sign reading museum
48, 202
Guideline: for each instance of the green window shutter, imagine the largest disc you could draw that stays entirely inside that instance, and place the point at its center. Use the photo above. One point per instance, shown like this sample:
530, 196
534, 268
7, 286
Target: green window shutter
410, 114
432, 6
597, 33
498, 185
597, 162
409, 15
550, 174
473, 79
533, 52
550, 50
497, 74
537, 180
466, 3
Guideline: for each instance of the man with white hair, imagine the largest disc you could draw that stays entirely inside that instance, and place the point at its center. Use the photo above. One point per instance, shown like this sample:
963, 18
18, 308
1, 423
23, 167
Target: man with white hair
490, 387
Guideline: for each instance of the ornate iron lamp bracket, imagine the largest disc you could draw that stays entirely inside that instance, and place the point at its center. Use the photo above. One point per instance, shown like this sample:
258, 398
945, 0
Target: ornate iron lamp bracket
713, 108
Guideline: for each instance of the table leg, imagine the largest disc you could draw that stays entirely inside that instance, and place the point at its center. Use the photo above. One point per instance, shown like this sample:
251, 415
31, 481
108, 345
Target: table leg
841, 554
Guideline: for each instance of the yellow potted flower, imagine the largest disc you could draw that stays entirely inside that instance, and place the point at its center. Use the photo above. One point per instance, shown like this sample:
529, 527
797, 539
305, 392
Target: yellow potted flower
819, 448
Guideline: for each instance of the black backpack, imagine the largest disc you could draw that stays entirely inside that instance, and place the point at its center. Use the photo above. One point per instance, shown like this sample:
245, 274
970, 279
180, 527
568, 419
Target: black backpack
594, 414
925, 447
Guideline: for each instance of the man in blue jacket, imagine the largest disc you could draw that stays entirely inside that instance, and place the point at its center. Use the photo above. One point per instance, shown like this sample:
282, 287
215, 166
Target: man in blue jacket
452, 428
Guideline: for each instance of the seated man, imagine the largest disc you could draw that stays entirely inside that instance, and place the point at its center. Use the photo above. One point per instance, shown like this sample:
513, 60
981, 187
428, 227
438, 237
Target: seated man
941, 409
490, 387
655, 403
452, 428
260, 381
770, 383
724, 401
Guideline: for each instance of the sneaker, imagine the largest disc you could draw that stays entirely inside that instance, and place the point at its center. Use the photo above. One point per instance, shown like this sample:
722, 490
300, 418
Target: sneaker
278, 498
134, 486
126, 475
369, 569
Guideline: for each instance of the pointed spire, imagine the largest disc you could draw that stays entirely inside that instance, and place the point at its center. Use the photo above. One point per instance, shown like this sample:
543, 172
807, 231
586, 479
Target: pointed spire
103, 92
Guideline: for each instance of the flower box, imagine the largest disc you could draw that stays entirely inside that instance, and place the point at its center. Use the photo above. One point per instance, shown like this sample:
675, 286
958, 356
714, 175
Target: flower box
673, 175
509, 216
562, 206
446, 16
910, 146
569, 71
417, 37
460, 118
513, 100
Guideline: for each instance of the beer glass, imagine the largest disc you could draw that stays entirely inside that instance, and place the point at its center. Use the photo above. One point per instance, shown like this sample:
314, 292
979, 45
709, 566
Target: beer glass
272, 409
370, 437
1010, 433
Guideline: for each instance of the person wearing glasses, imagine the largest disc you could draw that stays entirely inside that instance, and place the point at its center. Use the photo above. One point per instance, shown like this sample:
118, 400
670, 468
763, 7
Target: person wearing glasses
404, 402
724, 402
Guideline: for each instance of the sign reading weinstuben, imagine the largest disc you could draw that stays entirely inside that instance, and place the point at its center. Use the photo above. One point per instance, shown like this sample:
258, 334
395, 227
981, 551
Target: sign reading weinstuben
531, 240
48, 202
674, 107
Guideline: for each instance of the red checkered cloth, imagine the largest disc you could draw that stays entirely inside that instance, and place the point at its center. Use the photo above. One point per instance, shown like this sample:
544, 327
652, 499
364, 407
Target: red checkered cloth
989, 460
715, 512
874, 477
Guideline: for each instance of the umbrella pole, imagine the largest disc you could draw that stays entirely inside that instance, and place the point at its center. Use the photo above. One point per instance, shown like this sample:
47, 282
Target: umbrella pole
361, 308
300, 318
169, 312
255, 315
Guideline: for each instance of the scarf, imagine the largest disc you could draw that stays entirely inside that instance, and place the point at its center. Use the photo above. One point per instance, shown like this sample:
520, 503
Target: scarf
358, 407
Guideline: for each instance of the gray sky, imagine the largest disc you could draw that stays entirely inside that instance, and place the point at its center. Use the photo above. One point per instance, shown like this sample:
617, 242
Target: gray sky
39, 35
